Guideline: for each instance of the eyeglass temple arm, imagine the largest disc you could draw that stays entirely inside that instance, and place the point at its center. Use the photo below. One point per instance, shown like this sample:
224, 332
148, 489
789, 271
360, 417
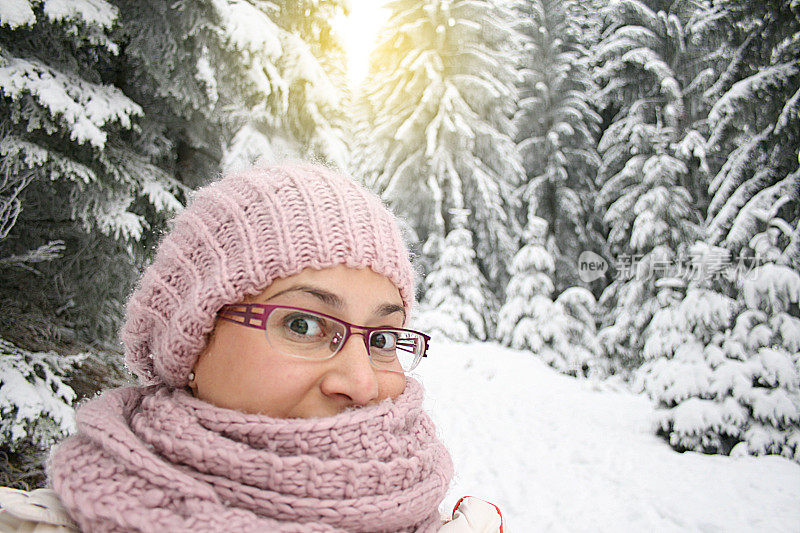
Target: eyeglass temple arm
248, 315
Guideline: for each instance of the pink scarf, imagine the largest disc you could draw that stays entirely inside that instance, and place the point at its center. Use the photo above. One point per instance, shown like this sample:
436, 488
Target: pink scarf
155, 459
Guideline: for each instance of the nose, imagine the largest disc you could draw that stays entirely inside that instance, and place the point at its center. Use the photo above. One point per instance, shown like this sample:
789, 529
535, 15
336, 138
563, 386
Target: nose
351, 376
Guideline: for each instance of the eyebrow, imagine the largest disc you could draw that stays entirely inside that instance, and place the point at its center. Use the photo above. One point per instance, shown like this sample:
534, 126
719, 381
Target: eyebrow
335, 301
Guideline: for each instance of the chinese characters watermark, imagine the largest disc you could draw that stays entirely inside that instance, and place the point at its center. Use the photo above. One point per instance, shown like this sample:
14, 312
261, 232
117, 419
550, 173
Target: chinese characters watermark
716, 265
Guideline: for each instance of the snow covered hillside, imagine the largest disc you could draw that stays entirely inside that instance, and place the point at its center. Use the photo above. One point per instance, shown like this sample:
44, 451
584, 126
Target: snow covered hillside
560, 454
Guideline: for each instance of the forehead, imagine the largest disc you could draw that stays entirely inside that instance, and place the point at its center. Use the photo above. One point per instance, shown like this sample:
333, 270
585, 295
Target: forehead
352, 285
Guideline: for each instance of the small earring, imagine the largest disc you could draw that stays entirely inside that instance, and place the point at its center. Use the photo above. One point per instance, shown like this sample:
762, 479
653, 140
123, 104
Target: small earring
191, 376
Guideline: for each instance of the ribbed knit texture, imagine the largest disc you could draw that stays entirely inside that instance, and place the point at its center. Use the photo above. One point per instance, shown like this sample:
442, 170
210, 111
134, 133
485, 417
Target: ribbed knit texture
155, 459
237, 236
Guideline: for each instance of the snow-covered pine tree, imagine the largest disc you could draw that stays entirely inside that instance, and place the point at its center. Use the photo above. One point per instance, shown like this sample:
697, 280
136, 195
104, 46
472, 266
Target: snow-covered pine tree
562, 332
303, 114
90, 165
457, 300
653, 64
439, 136
755, 118
557, 129
768, 330
653, 161
649, 219
319, 96
78, 178
683, 347
725, 374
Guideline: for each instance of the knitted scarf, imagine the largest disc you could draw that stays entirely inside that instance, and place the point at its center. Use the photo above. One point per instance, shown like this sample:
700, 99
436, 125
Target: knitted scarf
156, 459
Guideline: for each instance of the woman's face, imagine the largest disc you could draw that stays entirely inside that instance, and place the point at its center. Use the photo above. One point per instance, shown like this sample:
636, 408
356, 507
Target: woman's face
239, 370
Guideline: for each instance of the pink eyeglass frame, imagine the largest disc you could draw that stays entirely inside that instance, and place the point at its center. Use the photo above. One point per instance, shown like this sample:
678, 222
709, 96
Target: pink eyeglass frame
248, 314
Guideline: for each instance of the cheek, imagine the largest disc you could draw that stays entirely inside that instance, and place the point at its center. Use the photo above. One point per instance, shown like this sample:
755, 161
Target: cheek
275, 376
390, 384
260, 382
241, 367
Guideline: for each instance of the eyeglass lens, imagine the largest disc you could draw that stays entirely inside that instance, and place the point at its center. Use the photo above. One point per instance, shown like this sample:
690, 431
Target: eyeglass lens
311, 336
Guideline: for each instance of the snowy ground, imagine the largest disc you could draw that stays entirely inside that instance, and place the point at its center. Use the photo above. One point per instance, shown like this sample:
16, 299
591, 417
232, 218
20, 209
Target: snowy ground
560, 454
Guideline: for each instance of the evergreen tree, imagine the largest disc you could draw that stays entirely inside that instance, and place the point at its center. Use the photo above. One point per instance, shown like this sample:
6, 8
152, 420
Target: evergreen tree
457, 300
755, 119
561, 332
726, 374
649, 221
653, 167
556, 130
439, 137
80, 180
683, 345
85, 168
297, 109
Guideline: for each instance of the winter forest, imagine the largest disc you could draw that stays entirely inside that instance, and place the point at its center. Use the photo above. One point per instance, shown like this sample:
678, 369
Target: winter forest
612, 186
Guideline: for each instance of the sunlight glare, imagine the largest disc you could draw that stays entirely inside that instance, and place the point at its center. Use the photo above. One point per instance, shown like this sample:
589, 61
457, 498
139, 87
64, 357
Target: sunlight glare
358, 32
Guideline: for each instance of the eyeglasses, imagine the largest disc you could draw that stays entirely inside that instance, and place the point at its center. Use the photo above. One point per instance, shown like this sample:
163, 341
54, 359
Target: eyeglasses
307, 334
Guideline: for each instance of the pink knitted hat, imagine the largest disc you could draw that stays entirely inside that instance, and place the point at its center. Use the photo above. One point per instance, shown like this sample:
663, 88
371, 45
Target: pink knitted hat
238, 235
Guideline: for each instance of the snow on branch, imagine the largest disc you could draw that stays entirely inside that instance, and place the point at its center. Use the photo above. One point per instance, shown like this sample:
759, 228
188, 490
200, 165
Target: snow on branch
35, 402
772, 288
20, 155
90, 12
90, 18
248, 28
789, 118
113, 218
752, 91
84, 107
651, 62
46, 252
16, 13
633, 12
742, 227
643, 37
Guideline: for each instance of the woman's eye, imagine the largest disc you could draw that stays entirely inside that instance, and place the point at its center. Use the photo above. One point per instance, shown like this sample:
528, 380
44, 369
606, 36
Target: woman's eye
384, 340
306, 326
